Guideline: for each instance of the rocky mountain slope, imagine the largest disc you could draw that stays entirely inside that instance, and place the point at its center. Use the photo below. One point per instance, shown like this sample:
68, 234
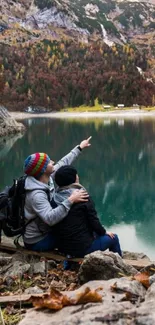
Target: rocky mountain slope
113, 20
34, 36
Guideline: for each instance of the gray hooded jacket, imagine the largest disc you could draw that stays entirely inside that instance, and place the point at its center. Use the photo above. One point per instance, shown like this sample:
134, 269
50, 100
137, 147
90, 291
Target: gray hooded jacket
38, 207
61, 194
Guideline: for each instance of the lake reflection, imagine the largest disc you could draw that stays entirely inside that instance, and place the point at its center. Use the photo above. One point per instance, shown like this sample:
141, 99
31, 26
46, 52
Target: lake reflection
118, 169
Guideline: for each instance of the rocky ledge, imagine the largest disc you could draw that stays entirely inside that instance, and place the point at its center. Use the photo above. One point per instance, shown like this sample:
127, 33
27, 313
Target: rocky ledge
8, 125
127, 294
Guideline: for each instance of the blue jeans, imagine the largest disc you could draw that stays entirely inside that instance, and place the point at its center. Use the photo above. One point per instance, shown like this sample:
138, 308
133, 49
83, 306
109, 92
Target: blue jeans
104, 242
46, 244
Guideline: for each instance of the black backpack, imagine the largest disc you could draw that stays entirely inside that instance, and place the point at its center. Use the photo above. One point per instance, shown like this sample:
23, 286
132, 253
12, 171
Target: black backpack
12, 201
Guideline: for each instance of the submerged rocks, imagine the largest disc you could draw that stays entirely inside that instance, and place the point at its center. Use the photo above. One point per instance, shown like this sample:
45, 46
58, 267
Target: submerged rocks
8, 125
103, 266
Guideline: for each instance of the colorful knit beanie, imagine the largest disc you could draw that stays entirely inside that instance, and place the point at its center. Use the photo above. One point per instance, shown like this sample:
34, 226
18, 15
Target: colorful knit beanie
36, 164
65, 176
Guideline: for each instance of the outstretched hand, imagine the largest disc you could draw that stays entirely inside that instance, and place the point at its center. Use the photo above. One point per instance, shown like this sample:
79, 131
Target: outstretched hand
85, 143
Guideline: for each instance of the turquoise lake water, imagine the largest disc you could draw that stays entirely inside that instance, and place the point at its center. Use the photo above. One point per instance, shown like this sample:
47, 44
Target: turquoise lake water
118, 169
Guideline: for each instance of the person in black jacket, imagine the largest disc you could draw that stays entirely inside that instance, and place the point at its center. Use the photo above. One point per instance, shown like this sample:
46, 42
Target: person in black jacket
81, 232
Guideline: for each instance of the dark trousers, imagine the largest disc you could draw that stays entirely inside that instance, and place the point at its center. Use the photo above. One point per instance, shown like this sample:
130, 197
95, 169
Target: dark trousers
105, 242
46, 244
100, 243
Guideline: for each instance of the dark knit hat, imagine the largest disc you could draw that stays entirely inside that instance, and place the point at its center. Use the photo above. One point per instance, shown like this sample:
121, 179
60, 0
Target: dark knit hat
65, 176
36, 164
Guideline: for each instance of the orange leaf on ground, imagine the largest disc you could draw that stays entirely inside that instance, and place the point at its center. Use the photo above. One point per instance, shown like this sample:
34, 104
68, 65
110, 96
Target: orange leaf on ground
56, 300
53, 300
143, 278
86, 296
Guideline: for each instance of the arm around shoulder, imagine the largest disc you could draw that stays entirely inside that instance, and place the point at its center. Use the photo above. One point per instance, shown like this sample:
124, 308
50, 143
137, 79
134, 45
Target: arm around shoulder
43, 209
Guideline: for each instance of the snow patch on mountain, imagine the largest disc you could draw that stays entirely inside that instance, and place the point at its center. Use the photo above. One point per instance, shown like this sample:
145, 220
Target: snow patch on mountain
91, 9
105, 37
123, 38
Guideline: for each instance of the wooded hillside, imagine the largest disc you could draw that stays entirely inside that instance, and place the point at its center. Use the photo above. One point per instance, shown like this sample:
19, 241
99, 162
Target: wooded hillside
56, 74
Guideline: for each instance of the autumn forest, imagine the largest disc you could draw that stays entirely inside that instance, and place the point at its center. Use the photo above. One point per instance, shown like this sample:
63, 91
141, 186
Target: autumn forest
58, 74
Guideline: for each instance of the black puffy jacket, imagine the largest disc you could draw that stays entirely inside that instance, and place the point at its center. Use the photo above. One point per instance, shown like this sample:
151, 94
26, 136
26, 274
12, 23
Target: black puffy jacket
75, 233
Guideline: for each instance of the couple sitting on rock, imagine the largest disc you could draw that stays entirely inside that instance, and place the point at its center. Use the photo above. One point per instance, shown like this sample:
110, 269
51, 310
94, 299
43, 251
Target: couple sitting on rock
64, 217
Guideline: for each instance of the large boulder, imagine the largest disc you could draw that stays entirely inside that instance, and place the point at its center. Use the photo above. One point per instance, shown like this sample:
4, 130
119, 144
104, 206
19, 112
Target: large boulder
112, 310
103, 266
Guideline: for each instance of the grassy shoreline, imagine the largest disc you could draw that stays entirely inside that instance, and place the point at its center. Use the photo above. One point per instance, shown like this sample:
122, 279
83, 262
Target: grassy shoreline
100, 108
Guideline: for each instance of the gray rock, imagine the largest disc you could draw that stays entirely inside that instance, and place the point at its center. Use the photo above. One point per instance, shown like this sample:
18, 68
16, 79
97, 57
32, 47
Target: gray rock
152, 279
21, 263
20, 257
5, 268
82, 314
96, 314
135, 256
149, 268
112, 310
59, 285
9, 280
17, 269
145, 320
134, 287
33, 290
7, 124
150, 295
4, 260
4, 254
51, 264
39, 268
103, 266
145, 314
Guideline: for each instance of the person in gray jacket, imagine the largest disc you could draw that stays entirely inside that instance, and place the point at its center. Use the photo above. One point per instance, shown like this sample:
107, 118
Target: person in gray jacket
39, 186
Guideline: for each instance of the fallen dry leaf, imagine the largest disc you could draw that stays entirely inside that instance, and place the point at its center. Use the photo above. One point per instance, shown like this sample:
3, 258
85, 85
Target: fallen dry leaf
115, 288
87, 295
143, 278
72, 287
53, 300
130, 297
59, 285
56, 300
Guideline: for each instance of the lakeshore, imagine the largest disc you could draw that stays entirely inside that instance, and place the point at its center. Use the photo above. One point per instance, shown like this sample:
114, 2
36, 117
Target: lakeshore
134, 113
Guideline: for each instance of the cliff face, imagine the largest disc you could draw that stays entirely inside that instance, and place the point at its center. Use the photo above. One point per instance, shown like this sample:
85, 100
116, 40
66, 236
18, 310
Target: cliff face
8, 125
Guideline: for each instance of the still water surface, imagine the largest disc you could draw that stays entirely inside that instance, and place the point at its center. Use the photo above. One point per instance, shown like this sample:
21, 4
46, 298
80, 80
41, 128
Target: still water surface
118, 169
